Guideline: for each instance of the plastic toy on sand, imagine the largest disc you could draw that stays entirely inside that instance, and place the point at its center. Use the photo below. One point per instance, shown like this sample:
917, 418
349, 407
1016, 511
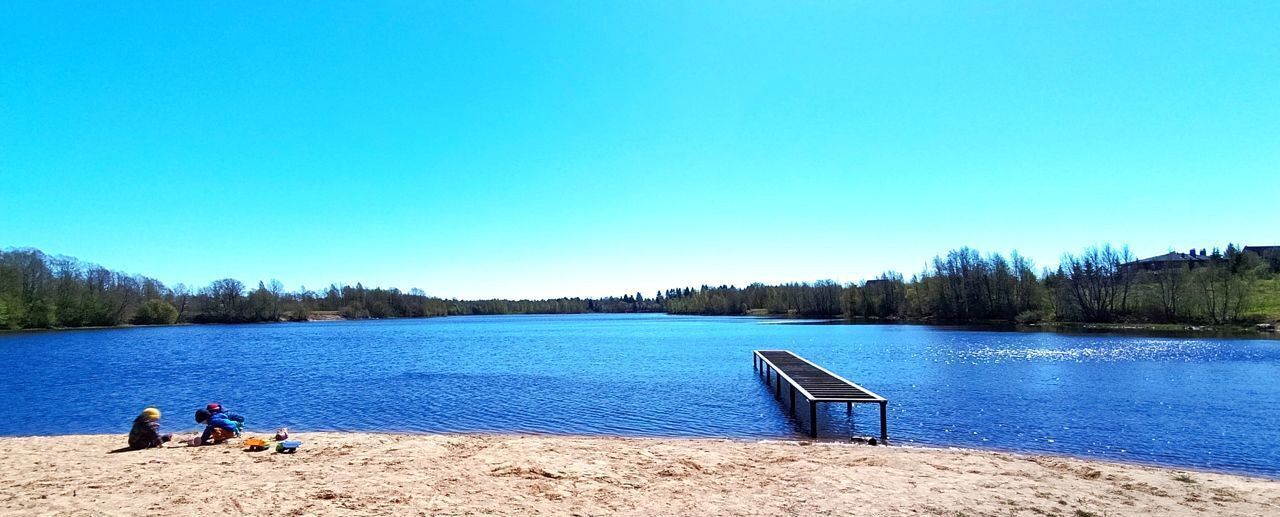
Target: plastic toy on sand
255, 444
288, 447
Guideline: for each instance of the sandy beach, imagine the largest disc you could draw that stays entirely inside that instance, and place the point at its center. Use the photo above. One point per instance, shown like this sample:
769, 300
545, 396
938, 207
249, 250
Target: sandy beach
353, 473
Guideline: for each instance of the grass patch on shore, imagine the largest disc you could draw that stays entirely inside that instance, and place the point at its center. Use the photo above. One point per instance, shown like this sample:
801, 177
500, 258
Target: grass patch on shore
1265, 302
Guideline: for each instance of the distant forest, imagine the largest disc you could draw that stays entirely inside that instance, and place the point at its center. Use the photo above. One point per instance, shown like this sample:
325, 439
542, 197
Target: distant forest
1099, 285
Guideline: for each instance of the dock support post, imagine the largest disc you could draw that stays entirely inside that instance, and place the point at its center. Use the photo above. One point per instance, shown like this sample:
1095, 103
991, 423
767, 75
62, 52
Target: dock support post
755, 362
813, 419
793, 400
884, 424
850, 410
777, 386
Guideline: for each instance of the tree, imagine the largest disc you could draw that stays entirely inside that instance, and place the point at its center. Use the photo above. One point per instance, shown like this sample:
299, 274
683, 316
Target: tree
180, 296
1096, 280
883, 298
262, 305
40, 314
277, 294
1170, 286
1028, 292
155, 312
1222, 293
11, 315
224, 300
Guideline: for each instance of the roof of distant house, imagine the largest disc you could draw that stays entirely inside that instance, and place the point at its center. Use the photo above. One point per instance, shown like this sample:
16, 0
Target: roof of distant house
1261, 249
1172, 256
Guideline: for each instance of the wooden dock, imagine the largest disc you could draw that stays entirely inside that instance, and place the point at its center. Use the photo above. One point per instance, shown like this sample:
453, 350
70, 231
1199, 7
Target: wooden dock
816, 384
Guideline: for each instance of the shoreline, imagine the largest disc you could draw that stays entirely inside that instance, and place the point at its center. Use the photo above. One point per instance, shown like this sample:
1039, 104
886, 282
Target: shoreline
342, 473
1124, 329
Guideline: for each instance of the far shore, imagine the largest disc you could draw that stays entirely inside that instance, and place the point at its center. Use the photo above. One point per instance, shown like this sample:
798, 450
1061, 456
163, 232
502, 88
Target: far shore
366, 473
1265, 331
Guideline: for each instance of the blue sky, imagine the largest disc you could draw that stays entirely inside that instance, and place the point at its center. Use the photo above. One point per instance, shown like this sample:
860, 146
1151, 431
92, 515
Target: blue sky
539, 149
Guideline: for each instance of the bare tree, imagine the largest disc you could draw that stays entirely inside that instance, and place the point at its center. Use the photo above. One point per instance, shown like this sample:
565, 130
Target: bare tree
1222, 294
1170, 287
1096, 280
277, 292
181, 296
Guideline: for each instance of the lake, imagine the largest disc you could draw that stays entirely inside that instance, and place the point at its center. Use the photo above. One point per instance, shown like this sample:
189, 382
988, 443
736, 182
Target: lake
1193, 402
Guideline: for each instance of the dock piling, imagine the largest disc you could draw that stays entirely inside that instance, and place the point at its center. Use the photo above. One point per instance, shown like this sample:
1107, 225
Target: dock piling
793, 400
813, 419
884, 422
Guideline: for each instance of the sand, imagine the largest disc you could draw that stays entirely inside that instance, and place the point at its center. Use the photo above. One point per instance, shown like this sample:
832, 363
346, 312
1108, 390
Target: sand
352, 474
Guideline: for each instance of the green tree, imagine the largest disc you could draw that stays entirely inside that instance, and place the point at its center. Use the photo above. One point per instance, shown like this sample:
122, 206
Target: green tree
155, 312
10, 317
40, 314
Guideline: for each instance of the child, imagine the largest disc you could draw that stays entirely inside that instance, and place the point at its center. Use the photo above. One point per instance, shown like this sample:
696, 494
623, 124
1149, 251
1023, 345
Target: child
219, 426
145, 433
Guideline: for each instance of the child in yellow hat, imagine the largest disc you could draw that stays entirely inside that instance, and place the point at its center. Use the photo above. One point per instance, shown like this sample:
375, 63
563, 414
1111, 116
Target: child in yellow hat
146, 430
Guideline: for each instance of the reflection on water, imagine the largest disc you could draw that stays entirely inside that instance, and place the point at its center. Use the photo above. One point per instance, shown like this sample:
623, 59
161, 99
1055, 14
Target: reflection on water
1210, 403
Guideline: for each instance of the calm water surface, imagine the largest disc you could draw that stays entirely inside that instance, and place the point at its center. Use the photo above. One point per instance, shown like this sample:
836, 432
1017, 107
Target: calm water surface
1205, 403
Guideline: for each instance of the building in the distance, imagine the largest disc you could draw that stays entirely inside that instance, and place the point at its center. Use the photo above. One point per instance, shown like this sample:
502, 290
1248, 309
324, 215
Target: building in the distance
1172, 260
1262, 251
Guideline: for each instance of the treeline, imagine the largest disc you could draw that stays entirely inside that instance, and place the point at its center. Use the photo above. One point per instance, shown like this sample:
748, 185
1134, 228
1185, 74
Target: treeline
624, 304
43, 291
1102, 284
229, 301
820, 299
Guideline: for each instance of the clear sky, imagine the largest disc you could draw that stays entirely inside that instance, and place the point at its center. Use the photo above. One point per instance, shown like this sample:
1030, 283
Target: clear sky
541, 149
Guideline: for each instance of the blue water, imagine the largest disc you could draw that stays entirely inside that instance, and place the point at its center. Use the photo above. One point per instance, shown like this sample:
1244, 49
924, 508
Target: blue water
1203, 403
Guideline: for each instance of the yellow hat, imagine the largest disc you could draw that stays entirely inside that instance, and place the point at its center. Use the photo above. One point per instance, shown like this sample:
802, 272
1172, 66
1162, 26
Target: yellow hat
151, 413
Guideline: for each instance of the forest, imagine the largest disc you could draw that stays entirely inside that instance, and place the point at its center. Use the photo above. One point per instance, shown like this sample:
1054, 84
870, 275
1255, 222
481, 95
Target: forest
43, 291
1099, 285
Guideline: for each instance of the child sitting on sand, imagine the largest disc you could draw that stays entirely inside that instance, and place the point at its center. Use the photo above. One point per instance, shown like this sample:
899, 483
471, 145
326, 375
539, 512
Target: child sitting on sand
219, 426
145, 433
